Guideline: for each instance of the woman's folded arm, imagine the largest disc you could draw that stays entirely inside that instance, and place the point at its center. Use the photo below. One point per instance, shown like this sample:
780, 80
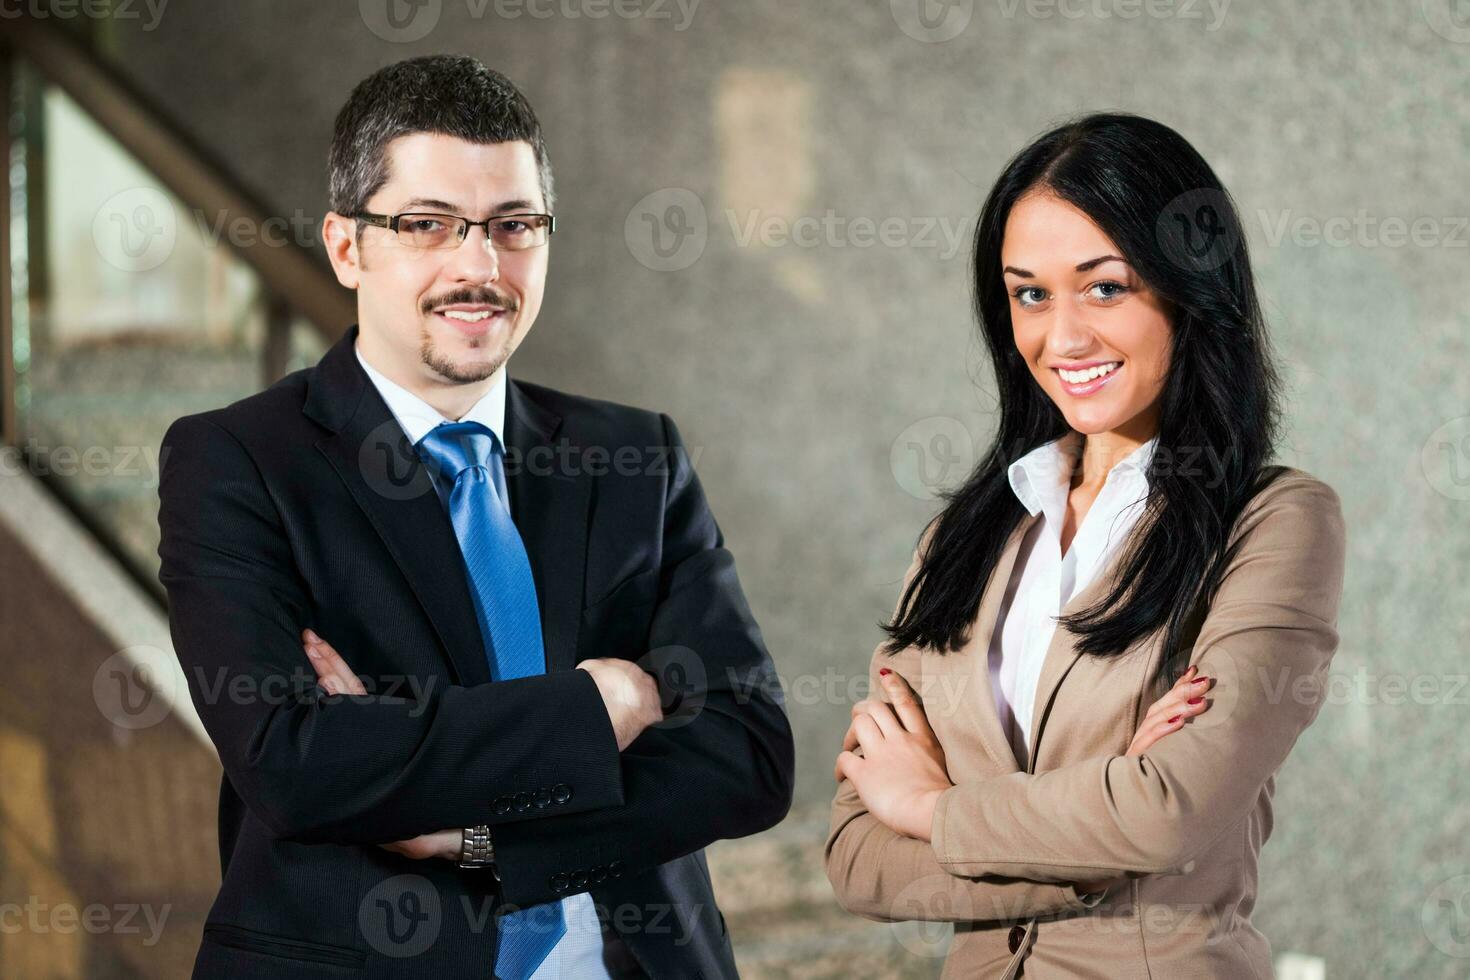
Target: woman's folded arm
882, 875
1268, 639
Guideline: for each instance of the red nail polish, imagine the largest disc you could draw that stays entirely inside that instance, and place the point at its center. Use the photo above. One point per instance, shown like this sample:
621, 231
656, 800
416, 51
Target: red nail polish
1194, 700
1199, 680
1174, 719
884, 672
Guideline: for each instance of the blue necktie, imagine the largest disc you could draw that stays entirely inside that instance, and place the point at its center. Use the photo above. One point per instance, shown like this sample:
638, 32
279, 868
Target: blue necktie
468, 456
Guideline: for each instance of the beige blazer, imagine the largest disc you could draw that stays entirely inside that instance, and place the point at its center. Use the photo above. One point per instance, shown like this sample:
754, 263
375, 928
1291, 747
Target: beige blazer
1185, 822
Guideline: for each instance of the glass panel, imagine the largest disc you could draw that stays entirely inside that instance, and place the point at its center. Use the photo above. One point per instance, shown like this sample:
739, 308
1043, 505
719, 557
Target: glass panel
138, 314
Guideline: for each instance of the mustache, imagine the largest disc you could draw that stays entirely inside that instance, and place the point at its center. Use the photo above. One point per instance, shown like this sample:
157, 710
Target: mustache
478, 297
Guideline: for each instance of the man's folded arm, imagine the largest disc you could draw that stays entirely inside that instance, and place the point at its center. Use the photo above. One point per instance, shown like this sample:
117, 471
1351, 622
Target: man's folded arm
1267, 639
347, 769
720, 766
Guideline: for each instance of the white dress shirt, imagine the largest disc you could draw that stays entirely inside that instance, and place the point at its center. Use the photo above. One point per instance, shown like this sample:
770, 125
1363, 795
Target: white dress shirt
579, 954
1044, 579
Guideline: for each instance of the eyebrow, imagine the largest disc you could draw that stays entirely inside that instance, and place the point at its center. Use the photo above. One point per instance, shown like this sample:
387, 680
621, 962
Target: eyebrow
1081, 267
505, 207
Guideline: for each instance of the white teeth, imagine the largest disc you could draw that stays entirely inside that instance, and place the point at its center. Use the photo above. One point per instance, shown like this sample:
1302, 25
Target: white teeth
1083, 376
467, 317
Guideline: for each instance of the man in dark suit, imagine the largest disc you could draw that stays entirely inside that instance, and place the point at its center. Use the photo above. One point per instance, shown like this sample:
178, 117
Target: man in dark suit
557, 695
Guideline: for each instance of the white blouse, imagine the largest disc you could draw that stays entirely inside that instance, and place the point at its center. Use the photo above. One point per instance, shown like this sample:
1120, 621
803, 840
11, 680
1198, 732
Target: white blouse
1044, 579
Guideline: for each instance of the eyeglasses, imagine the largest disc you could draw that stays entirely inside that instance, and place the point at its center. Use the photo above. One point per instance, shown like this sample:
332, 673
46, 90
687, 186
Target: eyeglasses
507, 232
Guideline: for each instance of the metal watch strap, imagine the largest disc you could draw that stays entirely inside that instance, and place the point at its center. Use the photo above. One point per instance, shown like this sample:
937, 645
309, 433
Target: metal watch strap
476, 849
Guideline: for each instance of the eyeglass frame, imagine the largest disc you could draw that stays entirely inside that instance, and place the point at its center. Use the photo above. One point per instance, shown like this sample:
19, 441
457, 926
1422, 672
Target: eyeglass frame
390, 222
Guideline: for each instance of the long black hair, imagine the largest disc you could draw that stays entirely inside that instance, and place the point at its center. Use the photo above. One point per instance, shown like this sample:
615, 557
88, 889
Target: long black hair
1158, 201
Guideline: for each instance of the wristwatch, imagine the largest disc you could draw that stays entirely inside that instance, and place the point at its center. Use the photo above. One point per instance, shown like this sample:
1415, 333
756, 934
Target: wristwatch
476, 850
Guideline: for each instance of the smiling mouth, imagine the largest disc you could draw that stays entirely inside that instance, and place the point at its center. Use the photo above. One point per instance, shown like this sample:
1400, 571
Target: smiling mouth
1085, 382
467, 317
473, 321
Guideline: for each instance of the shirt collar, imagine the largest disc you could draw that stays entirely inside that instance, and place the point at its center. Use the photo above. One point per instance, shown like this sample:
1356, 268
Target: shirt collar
417, 416
1042, 478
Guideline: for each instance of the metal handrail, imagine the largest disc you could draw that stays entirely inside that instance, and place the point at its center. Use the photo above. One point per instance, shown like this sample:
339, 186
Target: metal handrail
290, 272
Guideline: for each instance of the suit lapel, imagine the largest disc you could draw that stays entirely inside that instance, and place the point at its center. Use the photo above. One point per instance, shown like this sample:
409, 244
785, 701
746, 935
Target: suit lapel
372, 456
375, 461
549, 498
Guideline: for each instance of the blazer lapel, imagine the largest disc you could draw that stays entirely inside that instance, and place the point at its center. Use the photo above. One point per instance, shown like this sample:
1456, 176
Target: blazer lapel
1063, 653
972, 663
549, 500
380, 468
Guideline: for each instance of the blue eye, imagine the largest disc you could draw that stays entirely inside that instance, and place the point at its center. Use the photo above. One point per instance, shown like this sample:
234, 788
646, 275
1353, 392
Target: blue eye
1118, 289
1020, 298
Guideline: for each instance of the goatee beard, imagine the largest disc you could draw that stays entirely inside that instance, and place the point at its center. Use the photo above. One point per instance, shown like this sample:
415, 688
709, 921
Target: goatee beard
446, 368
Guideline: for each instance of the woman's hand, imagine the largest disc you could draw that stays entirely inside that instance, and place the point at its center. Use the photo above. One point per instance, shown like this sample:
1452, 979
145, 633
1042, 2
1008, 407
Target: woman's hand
335, 677
1170, 713
1167, 715
901, 773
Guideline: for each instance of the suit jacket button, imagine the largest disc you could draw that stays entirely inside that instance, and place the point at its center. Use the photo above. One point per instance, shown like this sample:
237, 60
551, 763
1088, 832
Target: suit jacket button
558, 882
561, 792
579, 878
615, 870
1017, 934
502, 805
543, 797
523, 802
599, 873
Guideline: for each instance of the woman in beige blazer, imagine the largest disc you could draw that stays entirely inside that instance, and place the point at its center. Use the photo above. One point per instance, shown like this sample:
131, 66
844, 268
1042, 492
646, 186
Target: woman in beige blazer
1038, 763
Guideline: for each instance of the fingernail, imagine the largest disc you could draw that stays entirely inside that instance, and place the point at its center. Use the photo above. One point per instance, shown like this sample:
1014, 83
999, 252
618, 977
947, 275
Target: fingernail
884, 672
1200, 680
1174, 719
1194, 701
313, 653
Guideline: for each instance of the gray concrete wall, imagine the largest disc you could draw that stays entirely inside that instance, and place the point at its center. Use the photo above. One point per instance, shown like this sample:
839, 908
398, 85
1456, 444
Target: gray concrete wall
796, 370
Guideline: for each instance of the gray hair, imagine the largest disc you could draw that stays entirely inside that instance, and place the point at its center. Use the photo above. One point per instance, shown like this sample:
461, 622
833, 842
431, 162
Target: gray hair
449, 94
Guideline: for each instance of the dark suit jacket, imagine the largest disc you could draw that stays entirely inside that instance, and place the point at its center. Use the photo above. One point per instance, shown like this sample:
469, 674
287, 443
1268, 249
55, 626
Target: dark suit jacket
304, 505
